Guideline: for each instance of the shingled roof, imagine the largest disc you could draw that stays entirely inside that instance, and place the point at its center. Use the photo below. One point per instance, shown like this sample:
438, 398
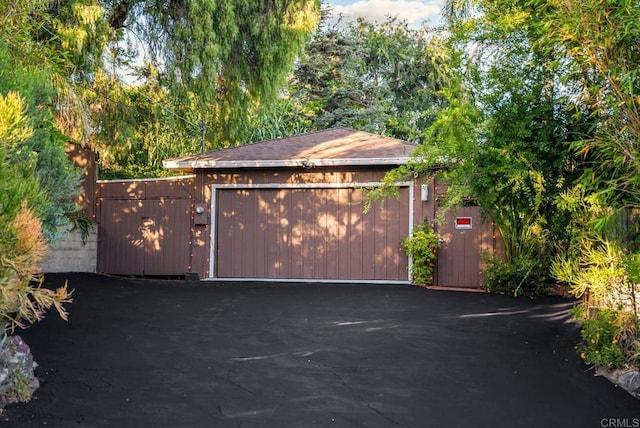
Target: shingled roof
332, 147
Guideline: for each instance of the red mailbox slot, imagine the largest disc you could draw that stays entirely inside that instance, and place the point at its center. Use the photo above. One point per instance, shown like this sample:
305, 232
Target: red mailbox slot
464, 222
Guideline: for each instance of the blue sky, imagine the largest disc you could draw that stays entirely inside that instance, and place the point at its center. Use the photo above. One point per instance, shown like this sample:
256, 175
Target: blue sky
413, 11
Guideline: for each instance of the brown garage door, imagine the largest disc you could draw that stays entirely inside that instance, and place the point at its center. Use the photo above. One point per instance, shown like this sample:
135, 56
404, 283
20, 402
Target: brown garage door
309, 234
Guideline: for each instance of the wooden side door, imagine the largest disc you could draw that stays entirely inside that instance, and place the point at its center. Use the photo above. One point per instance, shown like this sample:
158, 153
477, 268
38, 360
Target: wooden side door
463, 240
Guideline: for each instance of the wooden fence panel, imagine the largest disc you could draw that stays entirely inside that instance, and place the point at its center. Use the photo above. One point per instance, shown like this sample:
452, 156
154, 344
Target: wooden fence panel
142, 233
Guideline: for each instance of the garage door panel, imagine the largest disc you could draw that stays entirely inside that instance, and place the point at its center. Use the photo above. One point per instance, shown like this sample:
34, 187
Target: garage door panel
243, 206
378, 248
321, 253
307, 233
355, 257
224, 231
249, 233
342, 213
332, 234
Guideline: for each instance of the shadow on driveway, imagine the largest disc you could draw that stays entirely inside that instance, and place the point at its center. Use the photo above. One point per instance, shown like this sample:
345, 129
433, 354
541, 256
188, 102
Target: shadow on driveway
144, 353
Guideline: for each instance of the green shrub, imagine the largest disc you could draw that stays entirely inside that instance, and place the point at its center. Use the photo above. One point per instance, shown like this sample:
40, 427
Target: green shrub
22, 248
22, 241
422, 246
597, 274
606, 278
600, 335
517, 276
32, 145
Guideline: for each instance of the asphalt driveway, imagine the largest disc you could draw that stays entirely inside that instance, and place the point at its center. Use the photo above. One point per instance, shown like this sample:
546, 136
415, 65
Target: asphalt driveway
143, 353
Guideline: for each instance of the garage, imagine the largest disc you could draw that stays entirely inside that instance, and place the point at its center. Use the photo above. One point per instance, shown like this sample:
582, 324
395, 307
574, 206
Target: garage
289, 209
309, 232
293, 209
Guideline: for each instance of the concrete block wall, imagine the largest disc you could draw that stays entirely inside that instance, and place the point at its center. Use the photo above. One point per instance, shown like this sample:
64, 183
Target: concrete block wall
70, 254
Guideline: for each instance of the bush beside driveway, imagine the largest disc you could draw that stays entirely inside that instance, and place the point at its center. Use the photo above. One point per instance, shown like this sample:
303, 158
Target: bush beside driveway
139, 353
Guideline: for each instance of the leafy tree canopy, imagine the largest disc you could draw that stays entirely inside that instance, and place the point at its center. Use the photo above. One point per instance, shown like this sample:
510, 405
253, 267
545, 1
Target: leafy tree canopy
381, 78
224, 59
149, 79
504, 137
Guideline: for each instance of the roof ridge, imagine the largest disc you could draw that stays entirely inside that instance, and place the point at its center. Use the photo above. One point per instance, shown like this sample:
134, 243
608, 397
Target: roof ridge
373, 134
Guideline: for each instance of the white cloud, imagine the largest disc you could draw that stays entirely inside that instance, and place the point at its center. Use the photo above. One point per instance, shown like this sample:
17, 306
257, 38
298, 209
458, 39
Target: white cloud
414, 12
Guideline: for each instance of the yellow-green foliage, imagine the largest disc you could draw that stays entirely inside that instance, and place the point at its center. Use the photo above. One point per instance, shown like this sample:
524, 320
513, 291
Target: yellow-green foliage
14, 127
597, 273
605, 278
22, 243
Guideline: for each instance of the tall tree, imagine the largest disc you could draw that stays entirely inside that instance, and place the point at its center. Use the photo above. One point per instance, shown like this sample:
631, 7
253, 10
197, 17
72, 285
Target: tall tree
381, 78
504, 138
211, 65
227, 57
602, 41
599, 42
150, 126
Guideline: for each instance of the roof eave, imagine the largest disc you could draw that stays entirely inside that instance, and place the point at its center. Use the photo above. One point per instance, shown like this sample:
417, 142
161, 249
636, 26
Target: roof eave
303, 163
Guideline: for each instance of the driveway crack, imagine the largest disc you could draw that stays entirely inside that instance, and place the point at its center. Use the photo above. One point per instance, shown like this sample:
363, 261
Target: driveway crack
355, 394
387, 417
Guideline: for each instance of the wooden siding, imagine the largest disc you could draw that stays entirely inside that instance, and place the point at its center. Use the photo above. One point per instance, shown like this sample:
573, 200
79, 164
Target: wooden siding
121, 242
286, 223
309, 233
293, 176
